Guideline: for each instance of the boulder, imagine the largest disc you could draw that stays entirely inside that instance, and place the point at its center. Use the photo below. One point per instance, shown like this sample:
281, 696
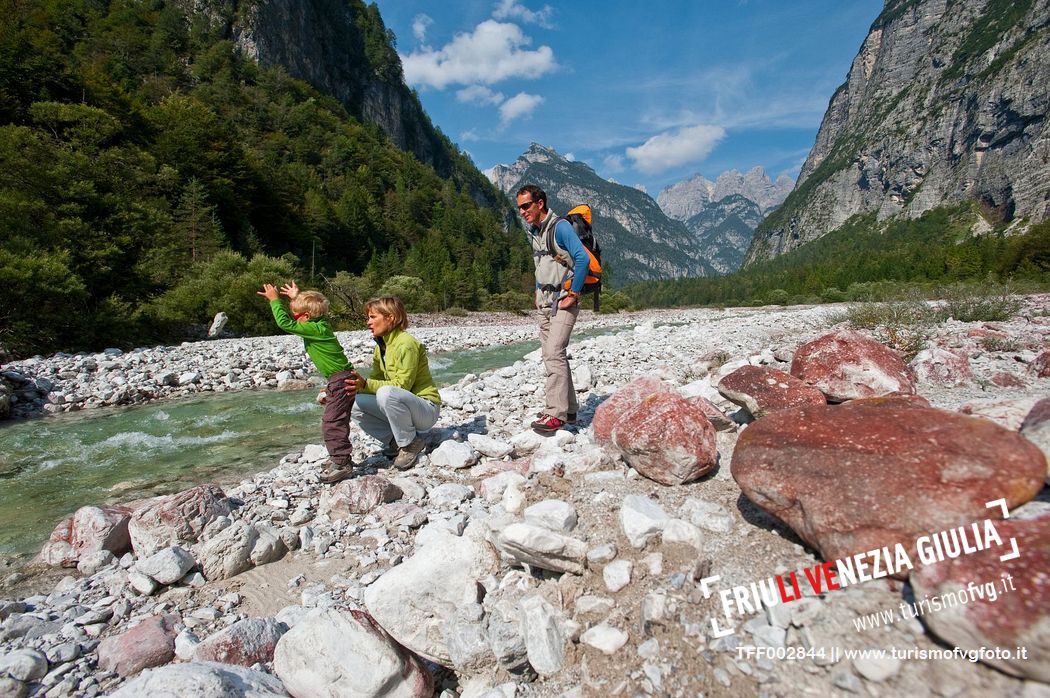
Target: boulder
1036, 428
941, 367
660, 434
987, 602
244, 643
176, 519
609, 412
414, 600
202, 680
872, 473
150, 643
359, 495
714, 414
541, 547
761, 390
846, 365
229, 552
336, 652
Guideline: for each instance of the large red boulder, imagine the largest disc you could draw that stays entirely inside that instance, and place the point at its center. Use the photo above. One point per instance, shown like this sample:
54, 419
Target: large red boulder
660, 434
871, 473
846, 365
610, 411
761, 390
987, 602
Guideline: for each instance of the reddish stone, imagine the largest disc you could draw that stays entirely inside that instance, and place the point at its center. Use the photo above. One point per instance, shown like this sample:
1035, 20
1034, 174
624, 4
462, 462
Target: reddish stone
1041, 365
150, 643
942, 367
176, 519
761, 390
58, 550
1004, 379
1036, 428
101, 528
1015, 608
846, 365
714, 415
1009, 413
612, 409
358, 496
663, 436
867, 474
244, 643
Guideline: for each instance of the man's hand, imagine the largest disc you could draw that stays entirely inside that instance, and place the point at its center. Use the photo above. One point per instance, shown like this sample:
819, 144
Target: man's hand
291, 290
269, 291
567, 301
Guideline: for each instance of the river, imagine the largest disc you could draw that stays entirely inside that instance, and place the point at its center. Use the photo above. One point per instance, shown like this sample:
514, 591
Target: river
51, 466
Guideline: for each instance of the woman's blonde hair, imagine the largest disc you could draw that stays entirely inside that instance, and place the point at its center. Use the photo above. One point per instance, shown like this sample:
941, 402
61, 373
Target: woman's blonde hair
312, 302
390, 306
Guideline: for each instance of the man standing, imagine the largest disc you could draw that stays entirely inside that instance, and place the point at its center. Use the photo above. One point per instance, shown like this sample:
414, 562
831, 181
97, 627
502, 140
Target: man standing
559, 256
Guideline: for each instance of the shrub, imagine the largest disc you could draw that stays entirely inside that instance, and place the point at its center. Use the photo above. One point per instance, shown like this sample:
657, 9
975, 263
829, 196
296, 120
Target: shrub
988, 302
1000, 344
904, 325
610, 302
412, 291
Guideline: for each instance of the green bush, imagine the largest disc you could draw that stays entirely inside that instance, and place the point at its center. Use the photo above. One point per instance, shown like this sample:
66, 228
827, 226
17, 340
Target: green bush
510, 301
984, 303
412, 291
610, 302
228, 283
904, 325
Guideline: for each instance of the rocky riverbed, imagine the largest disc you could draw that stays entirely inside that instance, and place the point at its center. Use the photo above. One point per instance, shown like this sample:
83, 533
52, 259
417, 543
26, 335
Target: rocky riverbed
591, 561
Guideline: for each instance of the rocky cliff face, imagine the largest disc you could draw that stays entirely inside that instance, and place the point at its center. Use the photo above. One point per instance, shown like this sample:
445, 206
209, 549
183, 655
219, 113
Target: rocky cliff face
724, 230
342, 48
690, 197
639, 242
945, 103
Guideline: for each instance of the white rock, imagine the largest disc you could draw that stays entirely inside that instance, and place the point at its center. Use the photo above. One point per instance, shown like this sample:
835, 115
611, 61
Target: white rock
617, 574
641, 519
488, 446
604, 638
453, 454
553, 514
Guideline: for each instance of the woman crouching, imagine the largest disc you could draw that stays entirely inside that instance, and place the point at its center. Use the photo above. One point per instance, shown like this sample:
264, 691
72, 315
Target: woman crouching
399, 399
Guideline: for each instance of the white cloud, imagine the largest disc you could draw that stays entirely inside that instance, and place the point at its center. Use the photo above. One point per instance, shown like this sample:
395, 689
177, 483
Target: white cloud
479, 94
420, 24
667, 150
521, 104
613, 163
510, 9
494, 51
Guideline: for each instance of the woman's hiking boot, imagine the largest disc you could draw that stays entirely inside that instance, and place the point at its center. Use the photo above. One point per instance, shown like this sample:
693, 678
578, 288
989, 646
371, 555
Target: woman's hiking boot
407, 455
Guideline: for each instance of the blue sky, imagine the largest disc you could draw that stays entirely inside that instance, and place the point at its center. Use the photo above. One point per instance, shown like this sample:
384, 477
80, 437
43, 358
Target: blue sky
648, 94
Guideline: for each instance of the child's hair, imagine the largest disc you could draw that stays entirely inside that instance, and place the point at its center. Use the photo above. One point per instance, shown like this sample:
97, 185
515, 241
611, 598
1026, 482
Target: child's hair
391, 306
312, 302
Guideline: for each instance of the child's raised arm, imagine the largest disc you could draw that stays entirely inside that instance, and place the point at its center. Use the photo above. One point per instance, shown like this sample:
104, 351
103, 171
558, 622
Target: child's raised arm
291, 290
269, 291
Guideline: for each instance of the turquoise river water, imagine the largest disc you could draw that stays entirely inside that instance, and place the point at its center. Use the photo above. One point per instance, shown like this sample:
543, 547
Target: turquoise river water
51, 466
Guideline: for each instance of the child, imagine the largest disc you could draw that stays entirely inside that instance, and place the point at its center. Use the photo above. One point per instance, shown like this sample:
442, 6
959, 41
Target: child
309, 311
